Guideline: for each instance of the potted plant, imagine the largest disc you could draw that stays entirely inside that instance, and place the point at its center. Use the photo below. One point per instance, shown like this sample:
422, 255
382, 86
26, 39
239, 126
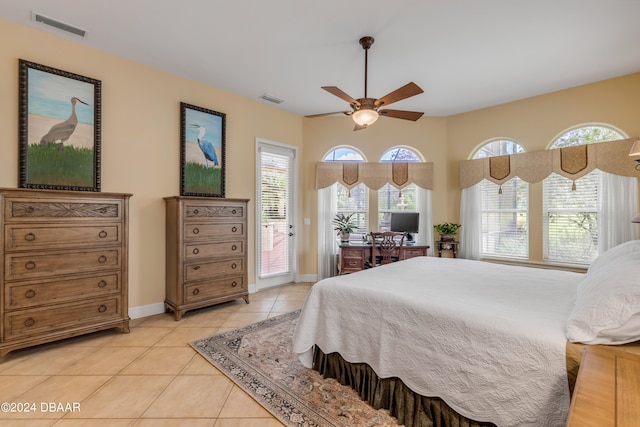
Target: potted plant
447, 231
344, 225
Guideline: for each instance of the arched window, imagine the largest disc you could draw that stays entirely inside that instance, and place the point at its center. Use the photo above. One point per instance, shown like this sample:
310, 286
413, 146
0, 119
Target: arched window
392, 199
356, 200
504, 209
570, 209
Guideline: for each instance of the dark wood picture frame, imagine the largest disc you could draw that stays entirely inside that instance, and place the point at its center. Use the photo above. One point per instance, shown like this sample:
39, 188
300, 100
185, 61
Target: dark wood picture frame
202, 151
59, 129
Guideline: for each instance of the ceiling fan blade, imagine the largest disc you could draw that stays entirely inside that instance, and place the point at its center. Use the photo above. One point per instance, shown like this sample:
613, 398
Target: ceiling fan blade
346, 113
340, 94
406, 91
401, 114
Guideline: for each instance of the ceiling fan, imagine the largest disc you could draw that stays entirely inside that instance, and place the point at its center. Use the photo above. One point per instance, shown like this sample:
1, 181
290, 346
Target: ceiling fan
365, 111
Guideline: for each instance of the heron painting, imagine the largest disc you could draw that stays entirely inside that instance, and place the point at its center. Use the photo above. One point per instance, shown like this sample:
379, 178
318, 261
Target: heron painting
59, 129
202, 151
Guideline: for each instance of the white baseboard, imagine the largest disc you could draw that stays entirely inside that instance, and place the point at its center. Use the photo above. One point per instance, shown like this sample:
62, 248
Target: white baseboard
146, 310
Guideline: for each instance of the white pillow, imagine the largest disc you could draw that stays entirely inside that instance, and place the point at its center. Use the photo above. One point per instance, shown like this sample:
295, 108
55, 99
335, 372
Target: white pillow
613, 253
607, 308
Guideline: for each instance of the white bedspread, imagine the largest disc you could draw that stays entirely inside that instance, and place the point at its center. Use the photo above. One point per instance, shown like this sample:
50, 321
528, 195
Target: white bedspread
489, 339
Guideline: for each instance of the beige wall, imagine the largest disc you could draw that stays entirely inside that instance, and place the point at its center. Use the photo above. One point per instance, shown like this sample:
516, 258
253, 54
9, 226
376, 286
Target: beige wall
141, 139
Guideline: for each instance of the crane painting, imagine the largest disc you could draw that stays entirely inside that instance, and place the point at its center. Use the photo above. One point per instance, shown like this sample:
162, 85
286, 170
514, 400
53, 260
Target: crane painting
60, 129
202, 151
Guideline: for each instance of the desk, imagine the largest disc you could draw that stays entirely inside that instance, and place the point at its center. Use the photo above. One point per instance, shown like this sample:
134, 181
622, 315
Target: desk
607, 390
353, 255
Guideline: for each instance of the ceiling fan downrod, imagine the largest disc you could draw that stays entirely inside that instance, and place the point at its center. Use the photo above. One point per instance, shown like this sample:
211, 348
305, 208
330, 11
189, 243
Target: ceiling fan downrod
366, 43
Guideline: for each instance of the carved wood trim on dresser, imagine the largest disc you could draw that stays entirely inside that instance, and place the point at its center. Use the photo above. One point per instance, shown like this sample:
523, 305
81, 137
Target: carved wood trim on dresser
64, 265
206, 252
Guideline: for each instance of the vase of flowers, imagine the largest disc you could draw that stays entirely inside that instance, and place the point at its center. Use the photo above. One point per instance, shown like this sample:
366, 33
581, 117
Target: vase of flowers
447, 231
344, 225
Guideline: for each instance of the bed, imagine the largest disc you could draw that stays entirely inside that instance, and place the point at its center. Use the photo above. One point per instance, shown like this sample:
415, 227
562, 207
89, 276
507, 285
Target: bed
470, 342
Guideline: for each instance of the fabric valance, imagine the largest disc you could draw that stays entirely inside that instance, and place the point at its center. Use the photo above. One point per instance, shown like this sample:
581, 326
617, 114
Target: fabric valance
571, 162
374, 175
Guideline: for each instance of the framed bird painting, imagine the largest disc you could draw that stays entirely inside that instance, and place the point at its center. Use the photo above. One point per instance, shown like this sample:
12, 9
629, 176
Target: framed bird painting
202, 151
59, 129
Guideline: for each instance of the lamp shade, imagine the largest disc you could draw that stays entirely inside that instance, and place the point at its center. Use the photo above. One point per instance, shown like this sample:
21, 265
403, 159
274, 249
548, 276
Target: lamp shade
635, 148
365, 116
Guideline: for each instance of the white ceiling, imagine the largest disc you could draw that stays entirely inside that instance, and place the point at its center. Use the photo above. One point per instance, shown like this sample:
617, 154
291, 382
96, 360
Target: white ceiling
465, 54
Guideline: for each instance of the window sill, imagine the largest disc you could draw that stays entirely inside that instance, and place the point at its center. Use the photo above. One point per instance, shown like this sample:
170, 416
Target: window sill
576, 268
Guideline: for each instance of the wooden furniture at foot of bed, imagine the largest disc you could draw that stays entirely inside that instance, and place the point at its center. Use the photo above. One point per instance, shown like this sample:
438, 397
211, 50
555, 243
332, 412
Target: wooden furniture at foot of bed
607, 391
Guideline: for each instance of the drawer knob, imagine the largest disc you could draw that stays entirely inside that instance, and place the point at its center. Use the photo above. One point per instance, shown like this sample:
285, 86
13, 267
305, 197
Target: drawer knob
234, 228
103, 210
102, 283
352, 263
234, 284
30, 293
234, 265
234, 247
196, 267
102, 308
30, 265
102, 234
196, 230
30, 237
234, 211
196, 291
195, 211
196, 251
30, 209
29, 322
102, 259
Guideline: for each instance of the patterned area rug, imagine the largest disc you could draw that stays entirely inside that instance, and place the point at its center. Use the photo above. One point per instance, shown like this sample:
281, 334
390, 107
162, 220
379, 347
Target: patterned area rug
259, 359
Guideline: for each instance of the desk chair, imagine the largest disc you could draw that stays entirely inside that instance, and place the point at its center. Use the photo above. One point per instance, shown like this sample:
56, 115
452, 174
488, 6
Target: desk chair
386, 247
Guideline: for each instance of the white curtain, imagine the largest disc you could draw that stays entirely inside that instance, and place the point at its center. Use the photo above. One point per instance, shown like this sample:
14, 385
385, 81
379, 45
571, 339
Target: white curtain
617, 206
471, 220
426, 223
327, 246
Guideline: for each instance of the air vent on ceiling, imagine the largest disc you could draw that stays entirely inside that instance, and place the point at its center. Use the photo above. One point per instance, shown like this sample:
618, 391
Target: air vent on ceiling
272, 98
36, 17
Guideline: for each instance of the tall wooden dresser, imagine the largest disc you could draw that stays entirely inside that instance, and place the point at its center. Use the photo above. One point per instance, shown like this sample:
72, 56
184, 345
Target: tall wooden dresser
206, 252
64, 265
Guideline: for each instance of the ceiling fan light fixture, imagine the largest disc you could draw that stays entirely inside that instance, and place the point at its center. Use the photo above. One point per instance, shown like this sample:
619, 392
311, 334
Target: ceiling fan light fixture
365, 117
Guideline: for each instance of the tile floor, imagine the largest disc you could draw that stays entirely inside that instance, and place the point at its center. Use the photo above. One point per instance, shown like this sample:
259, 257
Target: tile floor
149, 377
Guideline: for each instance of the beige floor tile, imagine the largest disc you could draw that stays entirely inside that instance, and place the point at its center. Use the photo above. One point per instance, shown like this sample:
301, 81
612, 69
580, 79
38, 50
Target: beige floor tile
192, 396
164, 320
160, 361
125, 396
176, 422
240, 405
200, 366
47, 360
27, 423
204, 319
238, 320
287, 306
183, 336
140, 336
64, 422
65, 393
248, 422
104, 361
13, 386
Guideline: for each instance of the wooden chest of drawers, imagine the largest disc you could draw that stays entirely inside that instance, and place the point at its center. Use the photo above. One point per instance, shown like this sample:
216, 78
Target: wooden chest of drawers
206, 252
64, 265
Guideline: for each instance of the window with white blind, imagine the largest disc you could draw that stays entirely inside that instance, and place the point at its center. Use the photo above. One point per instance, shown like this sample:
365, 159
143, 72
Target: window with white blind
356, 200
504, 209
570, 218
392, 199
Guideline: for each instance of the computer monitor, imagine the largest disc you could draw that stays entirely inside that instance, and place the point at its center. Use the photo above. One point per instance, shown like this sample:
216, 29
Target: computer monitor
407, 222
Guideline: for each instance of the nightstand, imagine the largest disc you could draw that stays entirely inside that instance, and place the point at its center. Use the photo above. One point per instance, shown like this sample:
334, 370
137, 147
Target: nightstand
447, 246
